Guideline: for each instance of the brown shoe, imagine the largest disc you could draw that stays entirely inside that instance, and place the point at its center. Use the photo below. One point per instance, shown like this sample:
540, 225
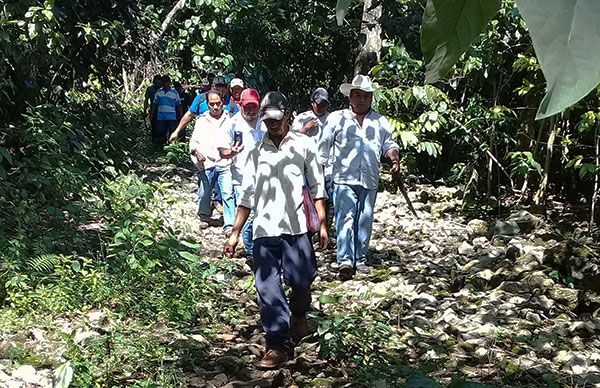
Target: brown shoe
203, 225
299, 328
273, 359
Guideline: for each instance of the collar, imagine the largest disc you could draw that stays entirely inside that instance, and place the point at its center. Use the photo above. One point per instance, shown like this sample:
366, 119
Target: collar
267, 138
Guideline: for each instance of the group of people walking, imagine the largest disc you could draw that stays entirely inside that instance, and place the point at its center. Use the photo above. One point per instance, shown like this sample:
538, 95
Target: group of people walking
273, 173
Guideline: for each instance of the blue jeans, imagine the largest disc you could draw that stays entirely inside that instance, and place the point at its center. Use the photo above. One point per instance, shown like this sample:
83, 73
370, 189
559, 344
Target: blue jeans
207, 180
296, 257
353, 222
247, 229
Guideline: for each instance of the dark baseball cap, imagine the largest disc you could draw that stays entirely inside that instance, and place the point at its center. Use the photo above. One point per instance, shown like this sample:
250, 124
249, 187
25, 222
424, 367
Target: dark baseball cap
320, 95
273, 106
219, 80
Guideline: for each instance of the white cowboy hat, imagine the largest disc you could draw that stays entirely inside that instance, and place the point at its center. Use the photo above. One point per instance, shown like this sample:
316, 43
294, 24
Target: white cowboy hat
361, 82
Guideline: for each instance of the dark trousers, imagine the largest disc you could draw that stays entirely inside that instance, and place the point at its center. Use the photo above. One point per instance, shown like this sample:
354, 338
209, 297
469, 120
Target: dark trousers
162, 130
295, 256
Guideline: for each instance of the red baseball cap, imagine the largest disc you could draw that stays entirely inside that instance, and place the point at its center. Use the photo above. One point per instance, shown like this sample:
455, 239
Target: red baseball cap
249, 96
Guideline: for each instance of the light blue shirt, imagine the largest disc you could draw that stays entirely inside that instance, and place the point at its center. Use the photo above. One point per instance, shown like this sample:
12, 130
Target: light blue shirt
200, 105
166, 100
355, 151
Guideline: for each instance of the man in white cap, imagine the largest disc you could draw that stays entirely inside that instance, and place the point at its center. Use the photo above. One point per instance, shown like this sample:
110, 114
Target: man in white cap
354, 140
281, 164
236, 86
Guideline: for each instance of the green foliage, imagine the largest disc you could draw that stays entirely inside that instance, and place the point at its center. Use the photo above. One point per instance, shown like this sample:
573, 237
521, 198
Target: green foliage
522, 163
357, 337
449, 28
562, 33
177, 153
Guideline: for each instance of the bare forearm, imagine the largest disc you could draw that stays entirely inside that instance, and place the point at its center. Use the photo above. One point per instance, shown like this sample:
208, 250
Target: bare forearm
321, 212
185, 120
226, 153
240, 219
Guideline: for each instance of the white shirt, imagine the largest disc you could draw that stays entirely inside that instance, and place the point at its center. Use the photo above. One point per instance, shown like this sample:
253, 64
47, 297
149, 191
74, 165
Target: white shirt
274, 189
355, 151
251, 137
208, 135
304, 118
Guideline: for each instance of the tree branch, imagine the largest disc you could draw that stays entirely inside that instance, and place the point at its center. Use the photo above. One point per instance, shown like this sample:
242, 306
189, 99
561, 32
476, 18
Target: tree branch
171, 16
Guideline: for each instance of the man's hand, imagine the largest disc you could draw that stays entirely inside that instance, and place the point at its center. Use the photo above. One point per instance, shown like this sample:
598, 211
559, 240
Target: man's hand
236, 149
309, 125
323, 239
174, 136
395, 167
230, 244
199, 156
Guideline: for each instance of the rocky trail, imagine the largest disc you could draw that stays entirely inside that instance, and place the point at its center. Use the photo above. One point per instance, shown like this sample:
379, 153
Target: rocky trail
501, 302
485, 301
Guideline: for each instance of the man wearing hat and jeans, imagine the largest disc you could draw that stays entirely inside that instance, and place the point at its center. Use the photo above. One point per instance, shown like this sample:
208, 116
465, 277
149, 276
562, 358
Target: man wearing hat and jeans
281, 164
245, 132
354, 140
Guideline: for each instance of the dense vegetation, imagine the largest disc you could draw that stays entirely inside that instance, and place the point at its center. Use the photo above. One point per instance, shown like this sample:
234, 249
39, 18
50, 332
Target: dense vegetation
82, 229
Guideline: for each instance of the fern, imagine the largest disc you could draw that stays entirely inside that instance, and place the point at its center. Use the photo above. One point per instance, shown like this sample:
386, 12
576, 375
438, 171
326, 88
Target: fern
45, 263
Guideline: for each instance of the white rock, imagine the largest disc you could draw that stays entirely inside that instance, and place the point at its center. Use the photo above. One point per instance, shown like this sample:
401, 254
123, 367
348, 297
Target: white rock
26, 373
81, 336
477, 227
481, 352
486, 274
465, 249
480, 242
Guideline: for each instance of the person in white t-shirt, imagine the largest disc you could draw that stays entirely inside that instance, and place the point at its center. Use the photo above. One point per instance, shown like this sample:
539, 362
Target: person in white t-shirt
244, 133
213, 170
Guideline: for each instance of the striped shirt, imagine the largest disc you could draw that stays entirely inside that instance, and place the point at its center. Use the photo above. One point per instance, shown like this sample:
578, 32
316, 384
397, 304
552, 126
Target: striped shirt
166, 100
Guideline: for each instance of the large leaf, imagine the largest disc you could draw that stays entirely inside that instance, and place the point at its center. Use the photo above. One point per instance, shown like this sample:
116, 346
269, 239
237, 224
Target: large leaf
340, 10
449, 27
566, 39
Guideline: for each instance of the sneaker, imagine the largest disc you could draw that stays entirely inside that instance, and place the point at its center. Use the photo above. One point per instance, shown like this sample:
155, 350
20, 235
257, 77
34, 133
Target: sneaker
362, 268
345, 272
299, 328
273, 359
203, 224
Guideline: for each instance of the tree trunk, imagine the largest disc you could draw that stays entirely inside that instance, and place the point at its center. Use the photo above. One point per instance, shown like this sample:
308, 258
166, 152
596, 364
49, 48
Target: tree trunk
596, 178
171, 16
540, 195
370, 37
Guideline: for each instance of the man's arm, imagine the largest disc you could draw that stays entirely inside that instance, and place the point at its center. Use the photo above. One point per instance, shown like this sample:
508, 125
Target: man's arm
185, 120
240, 219
323, 233
228, 153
